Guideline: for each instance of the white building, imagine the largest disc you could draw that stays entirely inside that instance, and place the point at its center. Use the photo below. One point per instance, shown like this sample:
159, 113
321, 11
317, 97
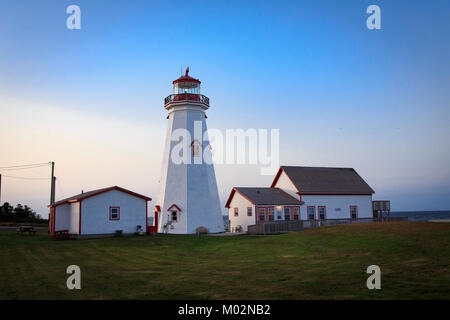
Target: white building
100, 212
302, 193
187, 196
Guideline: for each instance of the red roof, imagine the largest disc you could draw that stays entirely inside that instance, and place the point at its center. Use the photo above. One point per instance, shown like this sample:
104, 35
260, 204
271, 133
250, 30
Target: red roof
92, 193
186, 78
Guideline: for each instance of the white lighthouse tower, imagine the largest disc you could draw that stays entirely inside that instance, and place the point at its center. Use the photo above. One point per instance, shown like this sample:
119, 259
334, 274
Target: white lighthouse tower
188, 196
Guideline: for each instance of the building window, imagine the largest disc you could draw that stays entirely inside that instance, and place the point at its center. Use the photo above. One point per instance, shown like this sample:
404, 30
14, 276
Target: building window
295, 213
322, 212
271, 214
261, 214
249, 211
236, 212
287, 213
114, 213
354, 212
311, 212
174, 216
279, 212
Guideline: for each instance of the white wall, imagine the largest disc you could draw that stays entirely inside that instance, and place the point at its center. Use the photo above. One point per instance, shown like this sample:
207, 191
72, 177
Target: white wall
343, 202
62, 217
74, 217
95, 213
285, 184
242, 219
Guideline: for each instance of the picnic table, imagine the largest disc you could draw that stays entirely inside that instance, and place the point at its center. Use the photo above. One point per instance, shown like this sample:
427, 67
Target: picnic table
23, 229
61, 234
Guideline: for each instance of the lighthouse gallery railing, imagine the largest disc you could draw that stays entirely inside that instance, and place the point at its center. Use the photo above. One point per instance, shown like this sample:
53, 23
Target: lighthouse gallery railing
186, 97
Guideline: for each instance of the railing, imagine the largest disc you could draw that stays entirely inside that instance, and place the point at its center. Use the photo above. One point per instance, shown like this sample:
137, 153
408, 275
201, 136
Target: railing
186, 97
274, 227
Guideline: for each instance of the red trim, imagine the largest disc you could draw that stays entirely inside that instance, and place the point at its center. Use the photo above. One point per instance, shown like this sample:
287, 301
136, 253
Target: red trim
79, 218
195, 141
307, 212
186, 78
351, 211
227, 205
292, 212
236, 212
111, 219
157, 208
52, 221
275, 180
103, 191
318, 212
174, 205
335, 194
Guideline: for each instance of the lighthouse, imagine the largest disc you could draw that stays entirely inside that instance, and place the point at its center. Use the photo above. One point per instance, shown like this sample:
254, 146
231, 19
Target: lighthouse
187, 198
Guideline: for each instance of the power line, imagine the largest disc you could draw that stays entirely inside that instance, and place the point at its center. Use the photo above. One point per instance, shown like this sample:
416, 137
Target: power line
25, 166
25, 178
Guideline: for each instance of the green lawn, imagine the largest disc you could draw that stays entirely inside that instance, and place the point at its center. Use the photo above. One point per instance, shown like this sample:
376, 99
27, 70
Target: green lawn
323, 263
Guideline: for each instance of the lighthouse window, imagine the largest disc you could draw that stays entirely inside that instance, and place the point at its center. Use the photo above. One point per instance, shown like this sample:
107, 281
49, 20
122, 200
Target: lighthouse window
236, 212
174, 216
195, 150
249, 211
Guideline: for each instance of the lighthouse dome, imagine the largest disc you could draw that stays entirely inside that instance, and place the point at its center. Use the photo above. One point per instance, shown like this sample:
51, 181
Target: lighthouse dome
186, 84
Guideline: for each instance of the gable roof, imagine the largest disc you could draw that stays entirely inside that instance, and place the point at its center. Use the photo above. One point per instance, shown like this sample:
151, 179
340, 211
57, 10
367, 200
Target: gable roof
264, 196
325, 181
92, 193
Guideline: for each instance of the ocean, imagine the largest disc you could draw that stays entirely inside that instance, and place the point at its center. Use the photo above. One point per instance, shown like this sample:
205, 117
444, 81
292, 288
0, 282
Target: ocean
412, 216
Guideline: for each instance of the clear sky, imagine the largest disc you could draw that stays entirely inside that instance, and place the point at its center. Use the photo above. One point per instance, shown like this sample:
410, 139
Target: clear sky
342, 95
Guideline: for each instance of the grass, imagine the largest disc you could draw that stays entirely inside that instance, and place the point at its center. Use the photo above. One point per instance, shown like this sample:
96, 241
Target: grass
323, 263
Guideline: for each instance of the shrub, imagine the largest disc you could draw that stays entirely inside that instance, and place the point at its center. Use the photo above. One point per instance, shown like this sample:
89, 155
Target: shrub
201, 230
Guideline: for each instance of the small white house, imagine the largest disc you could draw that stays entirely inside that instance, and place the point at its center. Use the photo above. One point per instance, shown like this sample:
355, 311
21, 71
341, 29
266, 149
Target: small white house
100, 212
302, 193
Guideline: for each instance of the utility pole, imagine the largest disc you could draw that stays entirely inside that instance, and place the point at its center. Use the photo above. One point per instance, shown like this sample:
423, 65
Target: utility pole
52, 187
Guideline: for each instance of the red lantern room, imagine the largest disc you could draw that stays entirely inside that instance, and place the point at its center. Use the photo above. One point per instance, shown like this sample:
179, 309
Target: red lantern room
186, 88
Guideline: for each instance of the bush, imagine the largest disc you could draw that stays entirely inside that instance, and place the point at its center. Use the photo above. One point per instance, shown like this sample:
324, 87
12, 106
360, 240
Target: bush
201, 230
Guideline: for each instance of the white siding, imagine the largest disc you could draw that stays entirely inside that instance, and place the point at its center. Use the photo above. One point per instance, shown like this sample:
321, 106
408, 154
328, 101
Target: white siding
343, 203
95, 213
62, 217
74, 217
242, 219
285, 184
192, 187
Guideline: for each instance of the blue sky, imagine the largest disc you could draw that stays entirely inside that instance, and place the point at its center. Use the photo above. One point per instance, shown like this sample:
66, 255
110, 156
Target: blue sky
341, 95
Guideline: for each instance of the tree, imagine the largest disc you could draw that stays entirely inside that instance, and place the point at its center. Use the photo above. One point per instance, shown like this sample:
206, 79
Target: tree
18, 214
